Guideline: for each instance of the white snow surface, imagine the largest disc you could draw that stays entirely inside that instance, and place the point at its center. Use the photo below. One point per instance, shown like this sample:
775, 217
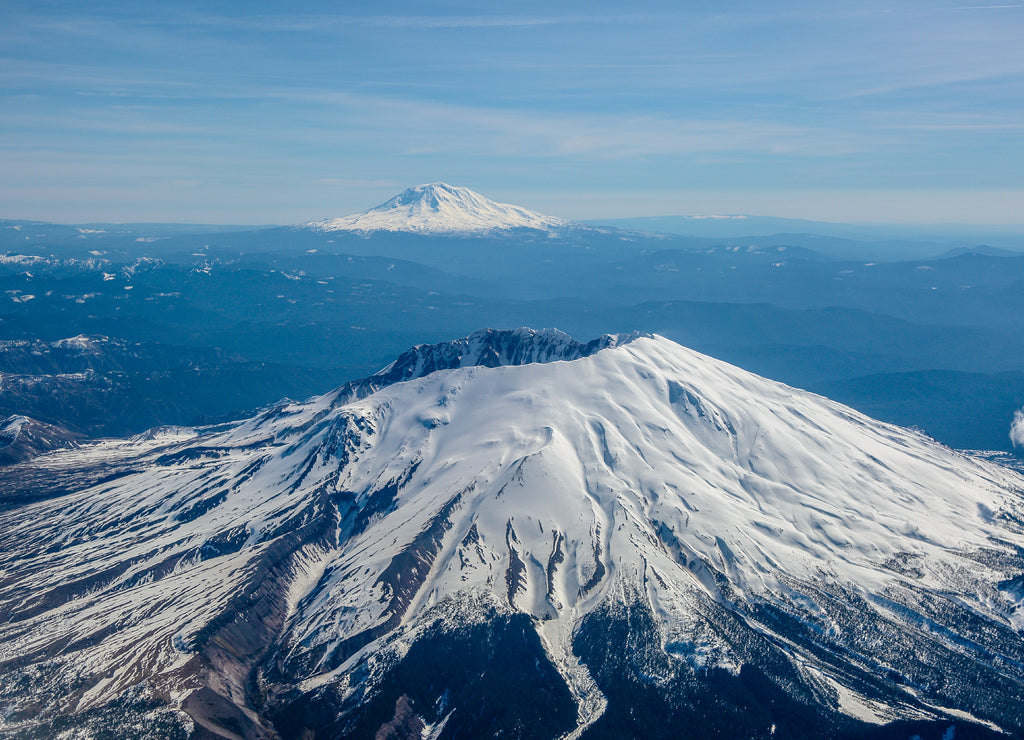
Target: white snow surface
643, 467
12, 425
439, 208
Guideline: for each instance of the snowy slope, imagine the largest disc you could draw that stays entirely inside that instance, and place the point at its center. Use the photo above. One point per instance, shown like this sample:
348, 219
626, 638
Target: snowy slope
312, 546
22, 438
438, 208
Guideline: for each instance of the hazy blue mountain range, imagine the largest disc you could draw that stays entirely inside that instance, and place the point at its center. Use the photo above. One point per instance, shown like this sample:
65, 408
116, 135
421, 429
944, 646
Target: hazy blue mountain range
889, 241
294, 310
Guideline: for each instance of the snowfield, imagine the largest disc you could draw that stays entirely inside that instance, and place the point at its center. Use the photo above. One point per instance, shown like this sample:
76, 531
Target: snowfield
438, 208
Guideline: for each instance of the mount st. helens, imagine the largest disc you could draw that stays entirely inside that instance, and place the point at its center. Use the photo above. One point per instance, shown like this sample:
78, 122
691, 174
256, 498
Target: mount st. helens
639, 539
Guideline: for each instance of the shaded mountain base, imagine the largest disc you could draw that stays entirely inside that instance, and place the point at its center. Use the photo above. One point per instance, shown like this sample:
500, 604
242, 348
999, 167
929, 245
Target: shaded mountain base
480, 680
493, 678
132, 717
653, 695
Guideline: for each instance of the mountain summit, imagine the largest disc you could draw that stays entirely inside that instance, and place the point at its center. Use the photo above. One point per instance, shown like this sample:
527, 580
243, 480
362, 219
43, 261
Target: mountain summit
438, 208
515, 533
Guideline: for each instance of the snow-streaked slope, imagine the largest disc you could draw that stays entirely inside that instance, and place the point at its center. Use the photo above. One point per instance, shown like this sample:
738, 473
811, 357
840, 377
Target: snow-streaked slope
438, 208
22, 438
298, 543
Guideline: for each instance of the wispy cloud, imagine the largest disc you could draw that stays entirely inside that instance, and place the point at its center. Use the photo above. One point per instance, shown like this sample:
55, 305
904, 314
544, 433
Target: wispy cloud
86, 25
424, 125
1017, 428
348, 182
834, 95
421, 126
300, 22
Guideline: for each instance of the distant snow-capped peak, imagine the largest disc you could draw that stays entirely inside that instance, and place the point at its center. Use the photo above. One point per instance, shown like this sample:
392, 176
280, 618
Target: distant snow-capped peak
438, 208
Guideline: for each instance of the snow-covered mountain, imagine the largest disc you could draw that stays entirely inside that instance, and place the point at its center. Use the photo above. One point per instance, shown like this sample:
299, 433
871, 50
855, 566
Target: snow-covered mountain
438, 208
22, 438
520, 533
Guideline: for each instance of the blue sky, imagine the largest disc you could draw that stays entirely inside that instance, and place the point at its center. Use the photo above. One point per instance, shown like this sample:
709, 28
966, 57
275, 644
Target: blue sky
255, 113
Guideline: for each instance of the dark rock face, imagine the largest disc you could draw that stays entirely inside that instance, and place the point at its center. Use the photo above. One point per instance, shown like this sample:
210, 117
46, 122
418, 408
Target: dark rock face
405, 725
483, 348
490, 679
654, 694
493, 348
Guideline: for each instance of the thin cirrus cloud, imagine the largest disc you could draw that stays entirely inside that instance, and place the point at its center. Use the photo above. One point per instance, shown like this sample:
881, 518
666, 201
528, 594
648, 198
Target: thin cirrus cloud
325, 116
423, 125
324, 23
135, 28
799, 95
